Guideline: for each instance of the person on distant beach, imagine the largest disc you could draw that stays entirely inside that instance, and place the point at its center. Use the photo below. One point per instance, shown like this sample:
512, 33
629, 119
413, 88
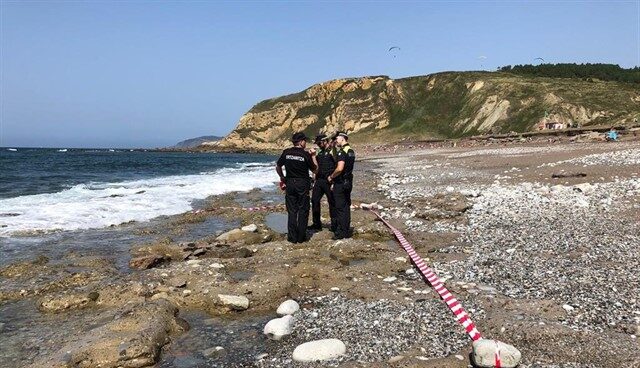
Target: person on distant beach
342, 184
297, 183
326, 166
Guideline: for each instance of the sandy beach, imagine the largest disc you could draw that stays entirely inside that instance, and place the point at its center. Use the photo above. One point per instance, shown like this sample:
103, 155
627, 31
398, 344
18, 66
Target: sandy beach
539, 241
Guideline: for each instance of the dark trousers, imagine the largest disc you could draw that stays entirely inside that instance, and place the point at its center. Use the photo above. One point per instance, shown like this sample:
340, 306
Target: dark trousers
320, 188
297, 201
342, 200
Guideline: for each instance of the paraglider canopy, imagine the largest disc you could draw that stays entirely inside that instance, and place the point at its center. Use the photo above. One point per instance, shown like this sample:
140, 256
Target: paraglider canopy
539, 58
394, 50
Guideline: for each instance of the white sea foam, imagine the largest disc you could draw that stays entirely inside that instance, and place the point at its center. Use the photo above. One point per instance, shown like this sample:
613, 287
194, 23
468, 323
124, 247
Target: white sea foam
99, 205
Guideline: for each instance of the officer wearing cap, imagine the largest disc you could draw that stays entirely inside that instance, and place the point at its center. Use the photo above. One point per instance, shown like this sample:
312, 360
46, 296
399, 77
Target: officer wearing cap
342, 184
297, 183
326, 166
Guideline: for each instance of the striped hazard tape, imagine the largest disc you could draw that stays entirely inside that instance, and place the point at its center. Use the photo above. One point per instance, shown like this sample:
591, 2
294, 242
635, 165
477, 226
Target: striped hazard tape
454, 305
249, 209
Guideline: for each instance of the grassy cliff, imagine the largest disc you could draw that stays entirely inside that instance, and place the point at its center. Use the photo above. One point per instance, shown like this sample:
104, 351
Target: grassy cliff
442, 105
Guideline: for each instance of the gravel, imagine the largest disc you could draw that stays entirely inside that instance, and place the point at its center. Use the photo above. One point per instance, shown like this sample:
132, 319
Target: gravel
532, 241
373, 330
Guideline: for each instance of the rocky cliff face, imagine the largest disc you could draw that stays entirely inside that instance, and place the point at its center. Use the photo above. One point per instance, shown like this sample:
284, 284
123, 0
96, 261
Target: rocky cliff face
439, 105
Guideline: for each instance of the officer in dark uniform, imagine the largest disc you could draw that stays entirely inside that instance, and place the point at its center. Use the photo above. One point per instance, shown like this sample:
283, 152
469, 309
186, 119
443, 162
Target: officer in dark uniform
326, 166
342, 184
297, 163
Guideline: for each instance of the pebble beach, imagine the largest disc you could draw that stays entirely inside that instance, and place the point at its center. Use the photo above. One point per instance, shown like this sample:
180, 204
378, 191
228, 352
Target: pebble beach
538, 241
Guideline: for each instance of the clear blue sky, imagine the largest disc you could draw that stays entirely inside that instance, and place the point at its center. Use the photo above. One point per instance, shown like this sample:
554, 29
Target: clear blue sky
151, 73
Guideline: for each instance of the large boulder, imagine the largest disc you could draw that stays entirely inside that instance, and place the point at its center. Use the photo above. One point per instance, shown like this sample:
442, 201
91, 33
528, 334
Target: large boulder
133, 339
319, 350
279, 328
484, 354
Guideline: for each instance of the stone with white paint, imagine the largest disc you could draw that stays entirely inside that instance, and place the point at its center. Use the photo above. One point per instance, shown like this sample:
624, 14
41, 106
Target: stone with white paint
288, 307
279, 328
319, 350
484, 354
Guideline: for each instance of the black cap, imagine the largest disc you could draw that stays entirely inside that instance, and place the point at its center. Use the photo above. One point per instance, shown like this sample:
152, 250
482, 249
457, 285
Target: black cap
321, 137
297, 137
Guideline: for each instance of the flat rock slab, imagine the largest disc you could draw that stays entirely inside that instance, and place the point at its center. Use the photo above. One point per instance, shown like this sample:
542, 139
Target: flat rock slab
58, 303
319, 350
132, 340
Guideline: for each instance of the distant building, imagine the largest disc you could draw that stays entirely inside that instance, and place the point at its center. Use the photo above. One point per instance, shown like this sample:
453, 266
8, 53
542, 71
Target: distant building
550, 125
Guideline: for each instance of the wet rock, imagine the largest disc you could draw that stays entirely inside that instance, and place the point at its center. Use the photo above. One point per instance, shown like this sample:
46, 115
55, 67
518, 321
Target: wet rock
59, 303
484, 354
288, 307
279, 328
134, 339
319, 350
250, 228
146, 262
234, 302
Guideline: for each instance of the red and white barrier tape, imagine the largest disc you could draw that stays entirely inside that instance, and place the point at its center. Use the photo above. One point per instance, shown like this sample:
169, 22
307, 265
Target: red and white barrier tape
454, 305
250, 209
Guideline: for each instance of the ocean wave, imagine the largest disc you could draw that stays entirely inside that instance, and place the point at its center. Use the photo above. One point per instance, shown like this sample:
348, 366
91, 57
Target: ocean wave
97, 205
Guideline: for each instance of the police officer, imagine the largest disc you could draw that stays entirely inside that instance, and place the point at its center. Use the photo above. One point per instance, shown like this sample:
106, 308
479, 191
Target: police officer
326, 166
342, 184
297, 163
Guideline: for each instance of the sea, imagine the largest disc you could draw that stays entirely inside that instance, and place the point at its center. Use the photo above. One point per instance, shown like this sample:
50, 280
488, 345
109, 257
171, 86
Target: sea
60, 197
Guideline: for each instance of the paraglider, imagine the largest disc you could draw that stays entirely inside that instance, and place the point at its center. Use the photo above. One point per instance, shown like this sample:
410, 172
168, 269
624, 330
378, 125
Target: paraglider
394, 49
482, 58
539, 58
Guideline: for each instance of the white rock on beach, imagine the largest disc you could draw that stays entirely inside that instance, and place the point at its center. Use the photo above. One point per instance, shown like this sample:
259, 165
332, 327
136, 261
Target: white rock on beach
484, 354
250, 228
234, 301
278, 328
288, 307
319, 350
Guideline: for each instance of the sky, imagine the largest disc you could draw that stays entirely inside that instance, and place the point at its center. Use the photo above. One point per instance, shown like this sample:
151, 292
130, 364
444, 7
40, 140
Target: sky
152, 73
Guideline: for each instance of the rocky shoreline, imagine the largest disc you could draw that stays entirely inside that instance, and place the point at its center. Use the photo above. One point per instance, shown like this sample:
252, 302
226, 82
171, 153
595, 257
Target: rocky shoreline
547, 264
